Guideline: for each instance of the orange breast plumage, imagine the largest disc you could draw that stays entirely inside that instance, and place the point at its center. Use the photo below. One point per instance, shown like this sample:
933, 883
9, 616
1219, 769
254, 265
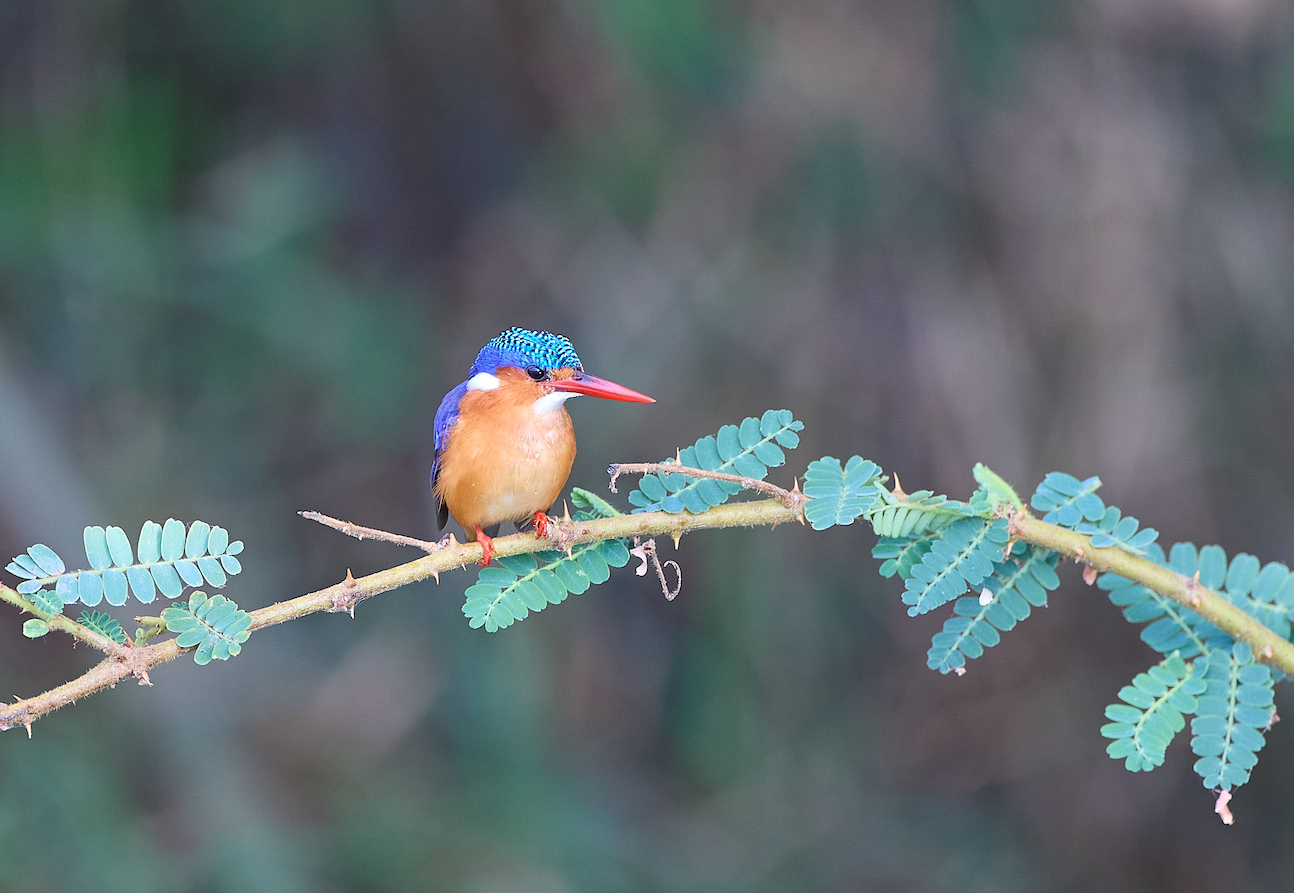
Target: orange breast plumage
502, 460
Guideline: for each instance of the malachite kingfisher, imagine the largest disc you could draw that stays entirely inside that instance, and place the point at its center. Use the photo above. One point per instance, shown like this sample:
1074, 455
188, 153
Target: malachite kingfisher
504, 441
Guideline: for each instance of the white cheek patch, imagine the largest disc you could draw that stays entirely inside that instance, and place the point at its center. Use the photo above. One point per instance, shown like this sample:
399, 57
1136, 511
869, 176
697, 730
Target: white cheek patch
549, 402
483, 381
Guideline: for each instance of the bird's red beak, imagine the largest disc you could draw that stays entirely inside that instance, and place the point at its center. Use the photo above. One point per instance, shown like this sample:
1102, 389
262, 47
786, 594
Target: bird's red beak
583, 383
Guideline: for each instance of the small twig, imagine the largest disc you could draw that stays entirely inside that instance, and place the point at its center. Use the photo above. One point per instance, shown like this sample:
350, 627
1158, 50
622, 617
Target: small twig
372, 533
792, 499
152, 627
646, 553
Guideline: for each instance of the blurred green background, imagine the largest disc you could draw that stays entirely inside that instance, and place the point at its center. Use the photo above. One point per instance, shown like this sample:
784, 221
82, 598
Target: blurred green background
245, 247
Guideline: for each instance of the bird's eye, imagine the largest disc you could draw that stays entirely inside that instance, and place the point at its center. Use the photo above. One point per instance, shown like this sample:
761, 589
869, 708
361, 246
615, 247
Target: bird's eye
536, 373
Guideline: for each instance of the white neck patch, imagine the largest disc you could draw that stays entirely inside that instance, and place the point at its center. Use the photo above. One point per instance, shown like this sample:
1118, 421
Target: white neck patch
549, 402
483, 381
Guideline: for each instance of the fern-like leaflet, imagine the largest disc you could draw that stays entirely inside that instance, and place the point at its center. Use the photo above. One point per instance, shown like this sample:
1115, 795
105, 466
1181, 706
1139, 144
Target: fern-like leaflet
900, 554
748, 450
217, 626
1151, 715
103, 624
167, 558
1067, 500
1072, 503
1017, 583
964, 555
839, 494
1233, 712
520, 584
1114, 528
904, 515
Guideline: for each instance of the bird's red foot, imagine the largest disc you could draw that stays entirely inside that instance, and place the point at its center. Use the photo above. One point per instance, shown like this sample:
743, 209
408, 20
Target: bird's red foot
487, 546
541, 522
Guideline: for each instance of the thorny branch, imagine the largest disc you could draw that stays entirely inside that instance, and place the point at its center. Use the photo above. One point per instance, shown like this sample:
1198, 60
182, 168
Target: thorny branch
129, 660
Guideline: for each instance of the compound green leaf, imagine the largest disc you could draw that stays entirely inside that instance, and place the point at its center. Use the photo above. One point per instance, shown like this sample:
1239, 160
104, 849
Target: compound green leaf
839, 494
1066, 500
747, 450
117, 571
515, 586
46, 602
978, 620
963, 555
1152, 713
215, 625
1233, 713
103, 624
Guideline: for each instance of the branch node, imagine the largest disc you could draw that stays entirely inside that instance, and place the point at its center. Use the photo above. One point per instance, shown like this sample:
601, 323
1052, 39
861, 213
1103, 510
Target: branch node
562, 532
1193, 588
347, 594
134, 662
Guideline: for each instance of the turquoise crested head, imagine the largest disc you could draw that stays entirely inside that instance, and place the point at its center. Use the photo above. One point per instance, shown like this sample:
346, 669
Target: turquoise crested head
525, 347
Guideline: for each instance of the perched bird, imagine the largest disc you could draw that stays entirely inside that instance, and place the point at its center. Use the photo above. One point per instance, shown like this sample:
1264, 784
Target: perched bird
504, 442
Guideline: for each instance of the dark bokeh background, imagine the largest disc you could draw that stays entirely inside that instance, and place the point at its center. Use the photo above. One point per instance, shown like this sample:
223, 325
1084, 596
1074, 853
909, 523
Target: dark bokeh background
245, 247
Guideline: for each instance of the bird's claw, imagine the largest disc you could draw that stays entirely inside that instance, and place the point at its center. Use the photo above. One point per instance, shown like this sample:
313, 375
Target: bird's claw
487, 547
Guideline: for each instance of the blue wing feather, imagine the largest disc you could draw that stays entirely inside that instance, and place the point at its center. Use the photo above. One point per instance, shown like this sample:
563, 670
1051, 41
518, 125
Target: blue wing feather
446, 416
